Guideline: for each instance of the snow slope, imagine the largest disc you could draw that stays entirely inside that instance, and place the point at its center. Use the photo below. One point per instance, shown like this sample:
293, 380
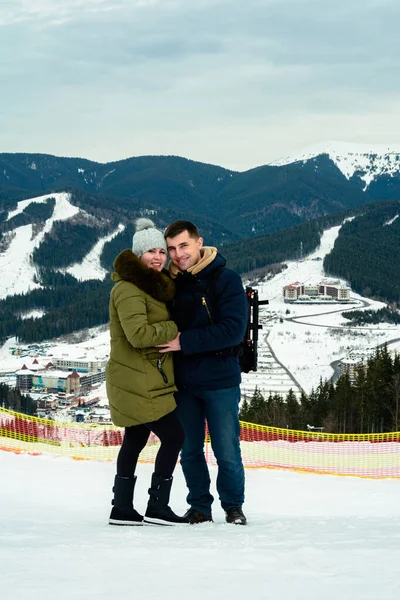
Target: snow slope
15, 265
309, 537
15, 262
25, 203
367, 161
90, 267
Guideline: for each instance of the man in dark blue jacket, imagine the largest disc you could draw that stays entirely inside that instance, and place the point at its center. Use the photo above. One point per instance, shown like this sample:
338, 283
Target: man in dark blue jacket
210, 309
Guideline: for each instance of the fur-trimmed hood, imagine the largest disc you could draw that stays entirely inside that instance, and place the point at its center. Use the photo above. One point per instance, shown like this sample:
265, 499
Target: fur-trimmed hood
155, 283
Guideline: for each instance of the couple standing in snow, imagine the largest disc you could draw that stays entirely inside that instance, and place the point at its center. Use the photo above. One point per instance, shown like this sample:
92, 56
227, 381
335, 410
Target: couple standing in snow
178, 326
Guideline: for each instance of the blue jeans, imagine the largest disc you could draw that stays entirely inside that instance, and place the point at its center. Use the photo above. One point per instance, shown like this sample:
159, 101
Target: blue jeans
221, 409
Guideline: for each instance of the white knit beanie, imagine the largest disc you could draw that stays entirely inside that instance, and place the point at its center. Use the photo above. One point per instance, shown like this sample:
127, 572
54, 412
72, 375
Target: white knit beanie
147, 236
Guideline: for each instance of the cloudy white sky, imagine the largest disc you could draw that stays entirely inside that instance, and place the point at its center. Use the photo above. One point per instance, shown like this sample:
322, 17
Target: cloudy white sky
232, 82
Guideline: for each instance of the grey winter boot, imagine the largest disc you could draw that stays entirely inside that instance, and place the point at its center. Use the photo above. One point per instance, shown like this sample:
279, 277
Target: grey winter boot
158, 512
122, 512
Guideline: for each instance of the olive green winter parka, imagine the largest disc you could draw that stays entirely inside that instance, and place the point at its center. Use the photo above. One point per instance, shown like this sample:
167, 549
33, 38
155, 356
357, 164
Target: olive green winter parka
140, 381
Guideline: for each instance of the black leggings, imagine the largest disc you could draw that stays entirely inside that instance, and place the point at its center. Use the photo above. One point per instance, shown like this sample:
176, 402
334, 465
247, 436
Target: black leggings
168, 429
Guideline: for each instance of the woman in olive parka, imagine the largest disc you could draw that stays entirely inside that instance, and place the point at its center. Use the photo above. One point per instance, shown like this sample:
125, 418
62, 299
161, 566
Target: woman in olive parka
139, 379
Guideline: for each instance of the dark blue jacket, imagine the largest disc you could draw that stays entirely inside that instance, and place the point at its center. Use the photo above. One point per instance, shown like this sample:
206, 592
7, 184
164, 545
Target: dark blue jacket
210, 309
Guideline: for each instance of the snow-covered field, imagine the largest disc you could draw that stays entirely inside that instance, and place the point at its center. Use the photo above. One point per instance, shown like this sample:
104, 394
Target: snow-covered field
309, 537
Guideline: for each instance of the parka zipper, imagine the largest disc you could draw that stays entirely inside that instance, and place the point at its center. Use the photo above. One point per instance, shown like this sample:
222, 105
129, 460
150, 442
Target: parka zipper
204, 303
159, 367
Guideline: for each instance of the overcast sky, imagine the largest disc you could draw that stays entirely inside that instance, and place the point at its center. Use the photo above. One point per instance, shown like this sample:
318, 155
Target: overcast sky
237, 83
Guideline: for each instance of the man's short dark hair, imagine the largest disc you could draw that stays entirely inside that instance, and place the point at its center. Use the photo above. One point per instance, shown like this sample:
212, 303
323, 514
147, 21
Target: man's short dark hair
178, 227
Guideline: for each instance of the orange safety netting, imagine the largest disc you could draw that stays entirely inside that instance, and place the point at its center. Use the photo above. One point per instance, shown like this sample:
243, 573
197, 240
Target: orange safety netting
363, 455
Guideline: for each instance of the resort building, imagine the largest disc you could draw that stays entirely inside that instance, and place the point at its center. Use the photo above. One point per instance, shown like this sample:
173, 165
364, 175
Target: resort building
54, 380
324, 291
81, 365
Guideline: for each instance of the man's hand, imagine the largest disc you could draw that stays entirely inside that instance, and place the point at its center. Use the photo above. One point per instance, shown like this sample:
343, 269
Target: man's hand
172, 346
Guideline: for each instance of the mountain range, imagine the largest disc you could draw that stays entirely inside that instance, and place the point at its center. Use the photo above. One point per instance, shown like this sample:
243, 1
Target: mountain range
265, 199
57, 247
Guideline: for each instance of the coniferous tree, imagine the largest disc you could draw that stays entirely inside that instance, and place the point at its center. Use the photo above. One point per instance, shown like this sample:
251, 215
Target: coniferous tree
276, 410
244, 410
293, 411
257, 407
12, 399
360, 398
343, 399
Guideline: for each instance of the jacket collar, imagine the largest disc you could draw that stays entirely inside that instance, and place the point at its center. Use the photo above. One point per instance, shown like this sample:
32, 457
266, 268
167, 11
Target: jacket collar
129, 267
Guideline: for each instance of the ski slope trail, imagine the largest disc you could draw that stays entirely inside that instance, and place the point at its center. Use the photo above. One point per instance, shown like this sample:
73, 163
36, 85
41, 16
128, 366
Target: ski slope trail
273, 375
90, 267
17, 269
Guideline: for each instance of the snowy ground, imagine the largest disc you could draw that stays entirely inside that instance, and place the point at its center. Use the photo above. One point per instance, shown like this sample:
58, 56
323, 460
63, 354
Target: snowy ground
309, 537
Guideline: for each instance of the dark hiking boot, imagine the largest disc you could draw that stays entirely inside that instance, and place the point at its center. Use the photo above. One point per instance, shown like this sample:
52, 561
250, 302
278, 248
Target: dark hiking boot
125, 517
235, 515
195, 516
158, 512
123, 512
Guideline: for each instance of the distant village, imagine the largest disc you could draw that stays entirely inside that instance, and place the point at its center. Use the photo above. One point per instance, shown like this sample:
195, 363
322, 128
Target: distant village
68, 389
61, 387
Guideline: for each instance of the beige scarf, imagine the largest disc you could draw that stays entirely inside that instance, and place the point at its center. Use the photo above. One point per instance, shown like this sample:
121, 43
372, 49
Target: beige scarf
208, 254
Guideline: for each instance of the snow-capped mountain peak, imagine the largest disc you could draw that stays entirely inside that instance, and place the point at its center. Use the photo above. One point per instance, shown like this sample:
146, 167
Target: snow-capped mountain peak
366, 161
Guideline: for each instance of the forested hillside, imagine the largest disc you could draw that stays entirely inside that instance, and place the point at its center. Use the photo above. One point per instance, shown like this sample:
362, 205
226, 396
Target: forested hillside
261, 200
34, 213
367, 252
69, 305
288, 244
370, 404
